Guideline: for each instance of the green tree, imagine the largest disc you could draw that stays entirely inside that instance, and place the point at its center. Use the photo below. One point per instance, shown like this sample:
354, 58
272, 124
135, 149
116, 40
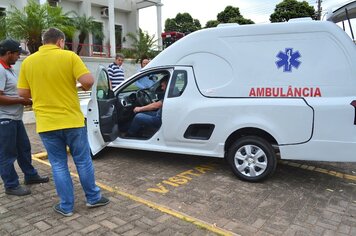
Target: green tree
86, 25
29, 23
143, 44
2, 27
229, 15
170, 25
212, 23
289, 9
232, 15
183, 23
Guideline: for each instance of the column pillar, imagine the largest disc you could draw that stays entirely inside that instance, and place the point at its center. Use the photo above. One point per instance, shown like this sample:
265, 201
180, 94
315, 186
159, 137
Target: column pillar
159, 24
112, 41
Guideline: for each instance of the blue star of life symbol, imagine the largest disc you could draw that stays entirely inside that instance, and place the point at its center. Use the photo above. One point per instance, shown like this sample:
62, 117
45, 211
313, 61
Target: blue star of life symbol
288, 59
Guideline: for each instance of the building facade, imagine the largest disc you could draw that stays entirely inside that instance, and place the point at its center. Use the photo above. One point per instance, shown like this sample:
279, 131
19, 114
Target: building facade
116, 18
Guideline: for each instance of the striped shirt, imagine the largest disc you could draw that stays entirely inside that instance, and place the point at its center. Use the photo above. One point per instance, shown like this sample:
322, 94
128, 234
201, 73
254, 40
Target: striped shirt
116, 74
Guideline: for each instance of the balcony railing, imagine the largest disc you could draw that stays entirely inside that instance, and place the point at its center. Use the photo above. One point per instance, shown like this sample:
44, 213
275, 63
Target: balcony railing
89, 50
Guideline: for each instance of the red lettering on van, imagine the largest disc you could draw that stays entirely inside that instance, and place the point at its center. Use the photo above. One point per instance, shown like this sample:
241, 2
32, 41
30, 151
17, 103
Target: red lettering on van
282, 92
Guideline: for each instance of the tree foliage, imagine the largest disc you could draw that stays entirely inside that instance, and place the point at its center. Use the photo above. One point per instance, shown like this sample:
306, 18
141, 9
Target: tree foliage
289, 9
212, 23
86, 25
183, 23
2, 27
229, 15
29, 22
143, 44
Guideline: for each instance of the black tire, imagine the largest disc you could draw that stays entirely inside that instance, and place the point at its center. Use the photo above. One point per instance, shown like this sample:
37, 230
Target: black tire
249, 166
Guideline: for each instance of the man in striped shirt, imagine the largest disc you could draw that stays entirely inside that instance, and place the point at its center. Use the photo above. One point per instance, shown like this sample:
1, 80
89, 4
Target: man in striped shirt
115, 71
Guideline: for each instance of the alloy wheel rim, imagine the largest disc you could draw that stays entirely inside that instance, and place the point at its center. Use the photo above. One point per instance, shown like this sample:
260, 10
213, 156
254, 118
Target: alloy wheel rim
250, 160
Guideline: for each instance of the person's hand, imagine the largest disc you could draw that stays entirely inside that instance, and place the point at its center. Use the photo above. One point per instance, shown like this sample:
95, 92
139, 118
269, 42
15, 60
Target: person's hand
26, 101
137, 109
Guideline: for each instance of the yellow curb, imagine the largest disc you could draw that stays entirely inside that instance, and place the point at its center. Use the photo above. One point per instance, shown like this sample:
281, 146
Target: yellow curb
320, 170
177, 214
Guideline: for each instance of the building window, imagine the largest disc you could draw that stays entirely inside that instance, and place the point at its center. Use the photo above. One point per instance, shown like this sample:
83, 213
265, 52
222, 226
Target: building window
118, 37
53, 3
97, 40
2, 12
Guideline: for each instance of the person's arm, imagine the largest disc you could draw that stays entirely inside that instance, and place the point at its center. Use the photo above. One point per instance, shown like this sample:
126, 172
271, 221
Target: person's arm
6, 100
150, 107
110, 71
86, 81
111, 74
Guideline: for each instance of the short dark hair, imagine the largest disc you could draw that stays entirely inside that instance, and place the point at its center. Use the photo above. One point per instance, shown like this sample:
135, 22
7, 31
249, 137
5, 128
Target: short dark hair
164, 79
144, 57
120, 55
52, 35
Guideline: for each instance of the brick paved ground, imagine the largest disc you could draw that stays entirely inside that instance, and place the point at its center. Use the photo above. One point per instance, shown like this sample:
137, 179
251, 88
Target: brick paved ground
33, 214
293, 202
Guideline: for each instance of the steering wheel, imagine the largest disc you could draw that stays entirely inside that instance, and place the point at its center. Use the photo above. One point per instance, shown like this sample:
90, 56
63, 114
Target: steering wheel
143, 98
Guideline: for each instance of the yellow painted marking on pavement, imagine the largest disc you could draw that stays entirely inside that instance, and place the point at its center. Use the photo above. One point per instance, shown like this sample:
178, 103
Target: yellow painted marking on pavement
351, 177
164, 209
311, 168
41, 155
44, 155
181, 178
294, 164
320, 170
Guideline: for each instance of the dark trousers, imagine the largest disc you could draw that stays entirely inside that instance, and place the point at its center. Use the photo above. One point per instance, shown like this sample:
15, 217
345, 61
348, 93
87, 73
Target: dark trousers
14, 145
143, 120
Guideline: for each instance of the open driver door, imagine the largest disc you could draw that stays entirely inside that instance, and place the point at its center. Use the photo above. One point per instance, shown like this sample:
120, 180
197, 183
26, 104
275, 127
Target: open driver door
102, 115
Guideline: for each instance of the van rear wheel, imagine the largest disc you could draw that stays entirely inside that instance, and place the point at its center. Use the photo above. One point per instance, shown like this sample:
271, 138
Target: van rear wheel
252, 158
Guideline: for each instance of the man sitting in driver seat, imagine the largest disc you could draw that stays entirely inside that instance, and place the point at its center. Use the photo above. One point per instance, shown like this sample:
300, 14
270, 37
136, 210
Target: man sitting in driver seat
149, 115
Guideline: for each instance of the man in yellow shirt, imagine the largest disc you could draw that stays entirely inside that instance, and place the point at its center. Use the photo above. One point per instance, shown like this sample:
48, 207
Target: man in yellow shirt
49, 76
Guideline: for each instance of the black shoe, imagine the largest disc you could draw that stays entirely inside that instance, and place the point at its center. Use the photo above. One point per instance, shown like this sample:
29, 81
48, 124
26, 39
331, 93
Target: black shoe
18, 191
57, 208
102, 202
37, 179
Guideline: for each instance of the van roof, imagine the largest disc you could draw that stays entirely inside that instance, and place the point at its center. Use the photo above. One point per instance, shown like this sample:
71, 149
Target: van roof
205, 40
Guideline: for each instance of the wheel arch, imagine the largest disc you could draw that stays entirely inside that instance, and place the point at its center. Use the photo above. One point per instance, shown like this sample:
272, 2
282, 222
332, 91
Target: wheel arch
250, 131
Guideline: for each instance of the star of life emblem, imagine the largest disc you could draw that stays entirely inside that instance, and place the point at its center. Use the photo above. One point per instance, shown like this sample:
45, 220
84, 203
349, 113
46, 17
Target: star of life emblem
288, 60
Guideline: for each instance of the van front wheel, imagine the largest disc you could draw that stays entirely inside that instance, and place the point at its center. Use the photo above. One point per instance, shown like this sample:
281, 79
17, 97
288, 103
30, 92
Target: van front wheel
252, 158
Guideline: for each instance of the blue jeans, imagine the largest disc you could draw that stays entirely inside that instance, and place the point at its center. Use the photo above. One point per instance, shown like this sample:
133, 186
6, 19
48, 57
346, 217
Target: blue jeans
14, 145
77, 141
144, 119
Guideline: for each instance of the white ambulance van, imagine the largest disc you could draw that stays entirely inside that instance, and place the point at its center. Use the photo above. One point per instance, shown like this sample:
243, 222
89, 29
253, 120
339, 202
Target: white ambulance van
241, 92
